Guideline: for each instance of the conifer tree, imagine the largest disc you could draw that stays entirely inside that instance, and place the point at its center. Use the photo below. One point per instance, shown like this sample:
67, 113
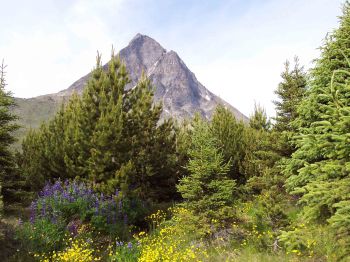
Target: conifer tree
109, 136
259, 119
43, 151
290, 92
208, 189
149, 146
230, 135
76, 142
107, 130
261, 149
8, 171
319, 169
53, 144
33, 161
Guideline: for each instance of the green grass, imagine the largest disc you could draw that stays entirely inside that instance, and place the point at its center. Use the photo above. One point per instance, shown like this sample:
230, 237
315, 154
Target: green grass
32, 112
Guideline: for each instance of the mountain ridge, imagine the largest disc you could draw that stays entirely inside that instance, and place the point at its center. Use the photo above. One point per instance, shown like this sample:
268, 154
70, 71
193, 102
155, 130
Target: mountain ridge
176, 86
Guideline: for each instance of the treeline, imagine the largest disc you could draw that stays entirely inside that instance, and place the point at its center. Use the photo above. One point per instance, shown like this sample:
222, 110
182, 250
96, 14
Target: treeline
110, 137
271, 175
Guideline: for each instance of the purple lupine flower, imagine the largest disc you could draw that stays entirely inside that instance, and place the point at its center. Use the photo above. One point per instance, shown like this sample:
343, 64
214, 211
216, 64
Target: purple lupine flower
130, 245
119, 244
76, 188
57, 194
47, 191
57, 187
65, 195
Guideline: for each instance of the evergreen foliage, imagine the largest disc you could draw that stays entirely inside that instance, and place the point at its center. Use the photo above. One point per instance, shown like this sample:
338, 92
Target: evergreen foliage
208, 189
230, 136
110, 137
9, 176
261, 159
290, 92
259, 119
271, 147
239, 182
319, 169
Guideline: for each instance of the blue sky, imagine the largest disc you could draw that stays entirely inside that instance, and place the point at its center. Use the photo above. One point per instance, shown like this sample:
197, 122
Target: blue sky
236, 48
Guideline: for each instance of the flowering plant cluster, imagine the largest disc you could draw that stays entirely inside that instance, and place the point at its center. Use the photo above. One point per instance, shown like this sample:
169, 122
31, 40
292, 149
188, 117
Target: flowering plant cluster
73, 203
72, 209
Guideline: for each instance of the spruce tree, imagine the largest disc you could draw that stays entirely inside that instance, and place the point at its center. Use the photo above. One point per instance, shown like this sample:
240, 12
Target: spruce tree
230, 136
8, 171
259, 119
265, 182
261, 154
208, 189
290, 92
319, 169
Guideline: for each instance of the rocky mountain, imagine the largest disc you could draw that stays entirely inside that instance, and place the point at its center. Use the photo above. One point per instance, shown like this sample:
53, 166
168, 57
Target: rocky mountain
176, 86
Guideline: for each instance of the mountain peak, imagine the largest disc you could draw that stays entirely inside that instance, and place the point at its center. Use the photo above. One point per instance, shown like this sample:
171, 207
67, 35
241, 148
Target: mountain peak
142, 40
181, 94
139, 36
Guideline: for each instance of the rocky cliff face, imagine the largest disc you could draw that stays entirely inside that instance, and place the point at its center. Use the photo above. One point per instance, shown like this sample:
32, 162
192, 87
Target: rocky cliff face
175, 85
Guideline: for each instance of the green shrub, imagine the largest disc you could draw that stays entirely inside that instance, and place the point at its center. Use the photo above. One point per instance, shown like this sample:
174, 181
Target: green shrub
42, 236
311, 241
126, 252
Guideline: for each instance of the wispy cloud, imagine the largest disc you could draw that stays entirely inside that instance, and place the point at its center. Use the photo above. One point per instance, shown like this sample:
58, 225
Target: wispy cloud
236, 48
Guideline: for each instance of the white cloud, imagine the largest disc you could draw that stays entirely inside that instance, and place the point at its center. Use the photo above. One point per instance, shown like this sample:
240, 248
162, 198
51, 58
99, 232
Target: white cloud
49, 59
248, 56
235, 48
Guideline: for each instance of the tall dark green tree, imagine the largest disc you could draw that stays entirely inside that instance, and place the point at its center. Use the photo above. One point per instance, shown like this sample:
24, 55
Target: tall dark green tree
109, 136
33, 161
230, 136
319, 169
259, 119
103, 102
290, 92
148, 146
208, 189
8, 172
261, 159
272, 146
43, 151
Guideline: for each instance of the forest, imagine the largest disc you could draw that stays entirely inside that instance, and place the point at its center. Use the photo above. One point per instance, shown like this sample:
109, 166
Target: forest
108, 179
